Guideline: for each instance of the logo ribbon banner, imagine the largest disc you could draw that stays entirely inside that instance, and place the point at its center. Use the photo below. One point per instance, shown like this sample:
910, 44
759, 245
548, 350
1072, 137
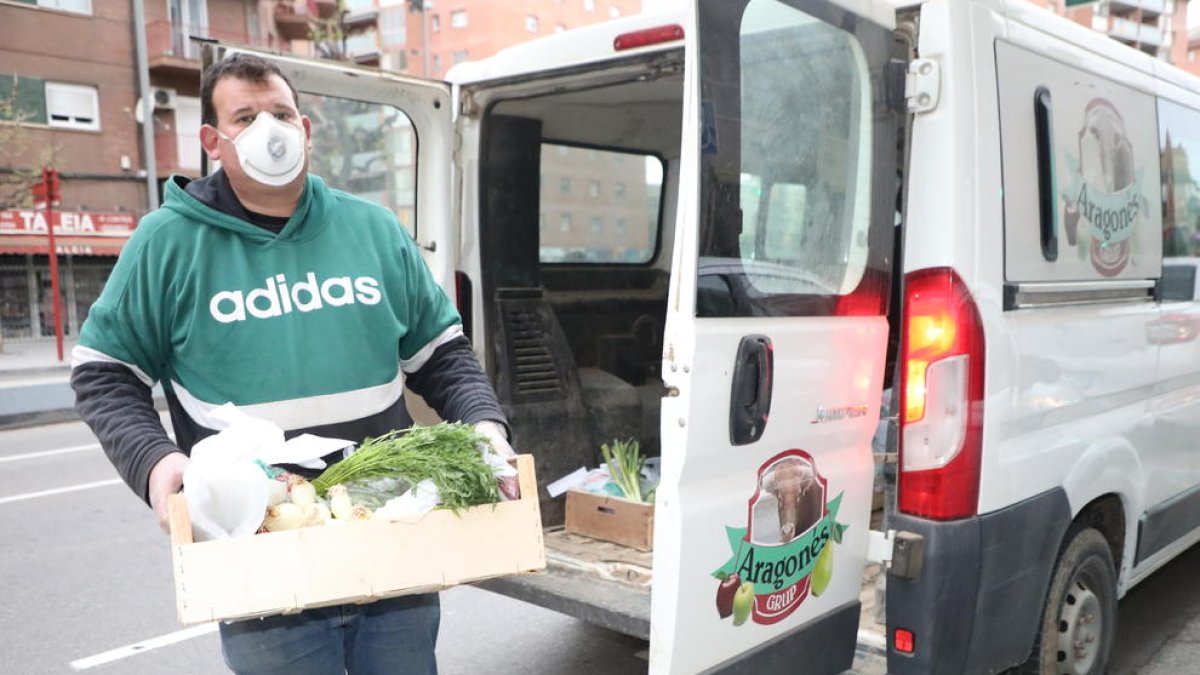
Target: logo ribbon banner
776, 566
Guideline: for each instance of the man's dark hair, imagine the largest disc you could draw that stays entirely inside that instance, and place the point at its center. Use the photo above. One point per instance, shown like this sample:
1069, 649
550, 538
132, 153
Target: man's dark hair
243, 67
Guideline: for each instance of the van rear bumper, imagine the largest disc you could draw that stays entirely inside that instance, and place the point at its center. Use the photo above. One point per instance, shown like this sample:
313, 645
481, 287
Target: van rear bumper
975, 605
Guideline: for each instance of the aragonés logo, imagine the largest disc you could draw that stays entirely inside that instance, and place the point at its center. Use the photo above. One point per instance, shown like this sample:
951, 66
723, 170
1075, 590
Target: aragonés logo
785, 552
277, 297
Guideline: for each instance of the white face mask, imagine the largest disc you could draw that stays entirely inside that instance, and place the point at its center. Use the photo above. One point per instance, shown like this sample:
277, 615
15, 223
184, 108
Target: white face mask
271, 152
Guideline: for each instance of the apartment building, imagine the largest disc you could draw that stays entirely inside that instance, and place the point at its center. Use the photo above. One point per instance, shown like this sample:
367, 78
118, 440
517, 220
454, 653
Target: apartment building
1157, 27
70, 97
68, 92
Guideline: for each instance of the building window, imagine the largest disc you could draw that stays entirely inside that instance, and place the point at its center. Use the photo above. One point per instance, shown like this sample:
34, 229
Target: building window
77, 6
24, 99
435, 23
594, 188
531, 23
458, 18
614, 12
392, 28
622, 226
564, 185
72, 106
589, 5
564, 222
597, 224
559, 28
458, 56
619, 190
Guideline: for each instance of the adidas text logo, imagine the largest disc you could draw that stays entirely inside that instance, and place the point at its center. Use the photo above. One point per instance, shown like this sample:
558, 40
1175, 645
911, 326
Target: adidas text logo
277, 297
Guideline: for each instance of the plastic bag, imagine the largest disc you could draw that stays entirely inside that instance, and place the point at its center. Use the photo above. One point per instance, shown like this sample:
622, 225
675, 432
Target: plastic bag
375, 492
416, 502
226, 488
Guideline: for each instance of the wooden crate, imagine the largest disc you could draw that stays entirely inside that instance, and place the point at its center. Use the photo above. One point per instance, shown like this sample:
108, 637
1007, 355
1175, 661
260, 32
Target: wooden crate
354, 562
614, 519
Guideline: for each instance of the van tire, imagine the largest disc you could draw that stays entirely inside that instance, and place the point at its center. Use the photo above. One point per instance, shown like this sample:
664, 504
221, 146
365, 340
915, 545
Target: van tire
1079, 621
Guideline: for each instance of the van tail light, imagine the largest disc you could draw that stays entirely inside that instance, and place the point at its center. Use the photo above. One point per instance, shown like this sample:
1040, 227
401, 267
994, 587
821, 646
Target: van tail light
647, 37
462, 300
867, 299
941, 397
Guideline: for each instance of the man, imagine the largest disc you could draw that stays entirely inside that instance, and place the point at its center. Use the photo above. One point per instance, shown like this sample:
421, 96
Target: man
259, 285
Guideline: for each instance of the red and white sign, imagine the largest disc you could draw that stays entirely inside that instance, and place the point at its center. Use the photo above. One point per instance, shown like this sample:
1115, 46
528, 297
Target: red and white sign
77, 232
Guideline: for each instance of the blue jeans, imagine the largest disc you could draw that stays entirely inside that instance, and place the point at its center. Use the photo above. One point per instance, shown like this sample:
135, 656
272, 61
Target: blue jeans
388, 637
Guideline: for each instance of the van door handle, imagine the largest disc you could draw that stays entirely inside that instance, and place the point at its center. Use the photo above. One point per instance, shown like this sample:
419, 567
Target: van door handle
750, 394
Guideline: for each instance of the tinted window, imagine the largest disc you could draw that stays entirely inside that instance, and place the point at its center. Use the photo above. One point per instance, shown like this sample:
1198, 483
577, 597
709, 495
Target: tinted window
1179, 282
1179, 137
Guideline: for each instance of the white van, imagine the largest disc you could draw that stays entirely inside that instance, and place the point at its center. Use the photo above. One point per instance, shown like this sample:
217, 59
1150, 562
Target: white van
727, 232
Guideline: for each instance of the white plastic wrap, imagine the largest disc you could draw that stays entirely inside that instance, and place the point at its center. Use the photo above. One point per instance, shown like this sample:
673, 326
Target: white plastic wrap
227, 490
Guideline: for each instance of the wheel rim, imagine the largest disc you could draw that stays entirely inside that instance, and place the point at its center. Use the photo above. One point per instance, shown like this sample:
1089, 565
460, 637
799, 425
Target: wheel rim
1080, 628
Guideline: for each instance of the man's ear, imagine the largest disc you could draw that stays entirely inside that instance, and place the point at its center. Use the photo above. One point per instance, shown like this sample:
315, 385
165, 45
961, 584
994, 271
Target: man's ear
307, 123
210, 141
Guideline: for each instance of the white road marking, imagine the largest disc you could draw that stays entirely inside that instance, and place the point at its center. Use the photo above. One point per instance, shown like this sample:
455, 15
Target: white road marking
48, 453
143, 646
59, 491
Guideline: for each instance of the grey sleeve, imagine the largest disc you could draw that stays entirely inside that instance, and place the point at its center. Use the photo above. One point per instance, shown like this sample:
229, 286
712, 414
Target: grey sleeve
453, 383
118, 407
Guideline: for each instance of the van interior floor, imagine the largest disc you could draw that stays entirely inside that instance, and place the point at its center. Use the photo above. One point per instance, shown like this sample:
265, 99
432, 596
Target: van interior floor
615, 588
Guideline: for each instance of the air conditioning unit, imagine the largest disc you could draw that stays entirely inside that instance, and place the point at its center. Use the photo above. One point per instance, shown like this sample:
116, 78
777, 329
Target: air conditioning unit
164, 98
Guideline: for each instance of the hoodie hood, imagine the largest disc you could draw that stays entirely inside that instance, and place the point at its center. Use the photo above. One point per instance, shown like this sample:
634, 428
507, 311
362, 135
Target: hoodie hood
210, 201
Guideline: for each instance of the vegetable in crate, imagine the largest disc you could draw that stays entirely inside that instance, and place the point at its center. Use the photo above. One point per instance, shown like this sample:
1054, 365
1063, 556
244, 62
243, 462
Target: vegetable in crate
625, 463
445, 453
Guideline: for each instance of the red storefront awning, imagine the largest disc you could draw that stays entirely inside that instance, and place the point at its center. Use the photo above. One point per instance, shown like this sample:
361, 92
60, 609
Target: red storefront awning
75, 232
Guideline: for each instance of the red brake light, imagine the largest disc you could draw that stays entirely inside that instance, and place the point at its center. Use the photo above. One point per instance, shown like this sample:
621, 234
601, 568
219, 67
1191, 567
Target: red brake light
903, 640
941, 397
648, 36
867, 299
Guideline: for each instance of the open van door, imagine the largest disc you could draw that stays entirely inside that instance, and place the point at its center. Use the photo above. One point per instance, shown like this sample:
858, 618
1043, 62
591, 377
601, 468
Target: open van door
776, 336
366, 126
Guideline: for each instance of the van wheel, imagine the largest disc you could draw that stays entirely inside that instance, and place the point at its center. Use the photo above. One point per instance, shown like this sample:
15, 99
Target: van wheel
1079, 621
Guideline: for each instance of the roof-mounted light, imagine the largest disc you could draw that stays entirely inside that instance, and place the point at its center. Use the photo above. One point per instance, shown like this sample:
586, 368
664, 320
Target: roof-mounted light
648, 36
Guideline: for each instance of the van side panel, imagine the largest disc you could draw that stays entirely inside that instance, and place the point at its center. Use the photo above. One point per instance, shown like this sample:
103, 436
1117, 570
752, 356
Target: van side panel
1067, 387
1071, 388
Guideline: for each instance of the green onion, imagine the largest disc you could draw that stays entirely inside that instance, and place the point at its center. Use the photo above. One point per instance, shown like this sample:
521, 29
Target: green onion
625, 462
446, 453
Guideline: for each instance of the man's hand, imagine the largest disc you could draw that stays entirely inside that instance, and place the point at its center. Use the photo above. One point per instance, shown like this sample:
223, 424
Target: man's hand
501, 458
166, 478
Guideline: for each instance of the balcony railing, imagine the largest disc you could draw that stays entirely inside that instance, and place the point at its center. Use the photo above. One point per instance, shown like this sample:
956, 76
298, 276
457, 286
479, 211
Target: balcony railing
166, 39
1136, 33
1150, 8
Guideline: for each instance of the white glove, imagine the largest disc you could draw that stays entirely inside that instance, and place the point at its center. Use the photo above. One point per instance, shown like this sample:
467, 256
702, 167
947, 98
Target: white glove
499, 455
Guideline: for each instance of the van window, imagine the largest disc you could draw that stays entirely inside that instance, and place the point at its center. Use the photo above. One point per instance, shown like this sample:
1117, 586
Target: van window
1101, 218
786, 167
1179, 132
620, 205
1178, 281
366, 149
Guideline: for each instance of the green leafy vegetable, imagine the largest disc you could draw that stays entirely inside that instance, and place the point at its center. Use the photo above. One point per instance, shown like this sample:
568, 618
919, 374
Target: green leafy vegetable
625, 462
445, 453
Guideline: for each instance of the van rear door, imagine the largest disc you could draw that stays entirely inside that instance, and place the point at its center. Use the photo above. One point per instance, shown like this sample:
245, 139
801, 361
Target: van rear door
776, 335
365, 129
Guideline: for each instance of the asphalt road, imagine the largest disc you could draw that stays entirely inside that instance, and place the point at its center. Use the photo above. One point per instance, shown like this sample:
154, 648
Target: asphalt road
86, 587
